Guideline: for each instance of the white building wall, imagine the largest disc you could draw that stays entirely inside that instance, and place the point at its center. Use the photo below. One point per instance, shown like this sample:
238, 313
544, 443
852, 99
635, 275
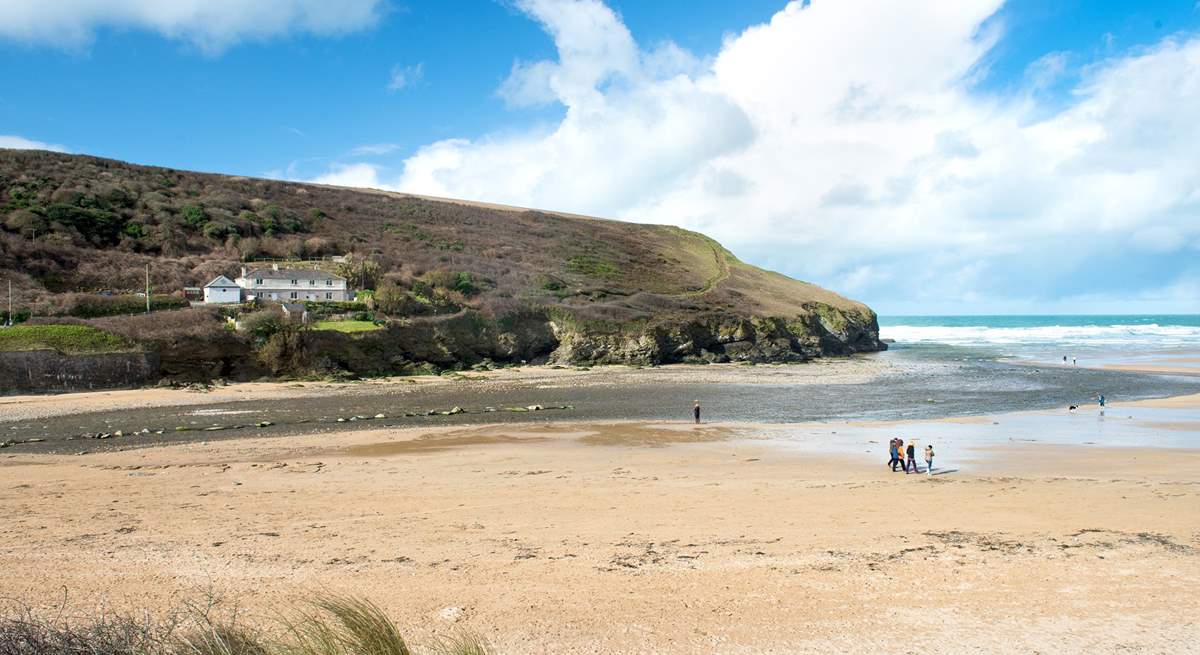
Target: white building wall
218, 295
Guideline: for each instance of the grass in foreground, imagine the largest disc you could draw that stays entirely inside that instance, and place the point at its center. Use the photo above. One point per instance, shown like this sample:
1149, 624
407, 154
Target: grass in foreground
332, 625
349, 327
63, 338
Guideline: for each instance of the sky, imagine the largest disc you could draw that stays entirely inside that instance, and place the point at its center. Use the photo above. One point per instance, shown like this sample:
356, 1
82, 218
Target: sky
924, 156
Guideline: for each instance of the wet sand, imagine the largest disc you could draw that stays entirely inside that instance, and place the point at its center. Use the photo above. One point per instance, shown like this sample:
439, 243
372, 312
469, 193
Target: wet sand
632, 537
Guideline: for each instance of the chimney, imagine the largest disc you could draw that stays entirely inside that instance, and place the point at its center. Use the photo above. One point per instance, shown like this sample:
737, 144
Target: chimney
243, 271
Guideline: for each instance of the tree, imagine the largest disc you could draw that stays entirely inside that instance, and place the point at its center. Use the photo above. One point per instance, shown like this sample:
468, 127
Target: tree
359, 271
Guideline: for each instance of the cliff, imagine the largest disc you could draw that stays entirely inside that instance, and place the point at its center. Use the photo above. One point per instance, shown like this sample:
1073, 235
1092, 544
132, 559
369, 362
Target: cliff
456, 282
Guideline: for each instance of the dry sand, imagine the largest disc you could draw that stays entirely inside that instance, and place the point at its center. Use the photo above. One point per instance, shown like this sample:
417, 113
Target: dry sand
630, 538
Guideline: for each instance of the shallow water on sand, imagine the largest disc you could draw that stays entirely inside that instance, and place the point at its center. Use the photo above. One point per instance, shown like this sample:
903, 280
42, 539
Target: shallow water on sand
916, 384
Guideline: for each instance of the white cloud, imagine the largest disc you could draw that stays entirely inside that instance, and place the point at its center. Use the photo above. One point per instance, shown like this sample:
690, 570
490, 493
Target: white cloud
403, 77
356, 175
15, 142
373, 149
212, 25
833, 147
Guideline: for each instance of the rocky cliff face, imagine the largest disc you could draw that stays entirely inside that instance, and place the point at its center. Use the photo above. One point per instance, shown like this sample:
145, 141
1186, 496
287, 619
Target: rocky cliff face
552, 337
823, 331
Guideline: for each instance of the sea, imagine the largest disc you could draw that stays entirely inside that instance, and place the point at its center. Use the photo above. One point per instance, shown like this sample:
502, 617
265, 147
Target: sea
1084, 340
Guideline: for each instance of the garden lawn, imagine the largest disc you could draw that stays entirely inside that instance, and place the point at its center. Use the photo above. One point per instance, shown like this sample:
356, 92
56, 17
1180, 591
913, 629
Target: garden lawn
347, 326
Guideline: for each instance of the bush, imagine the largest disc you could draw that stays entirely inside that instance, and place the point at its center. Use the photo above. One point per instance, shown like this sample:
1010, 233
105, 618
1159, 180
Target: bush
193, 215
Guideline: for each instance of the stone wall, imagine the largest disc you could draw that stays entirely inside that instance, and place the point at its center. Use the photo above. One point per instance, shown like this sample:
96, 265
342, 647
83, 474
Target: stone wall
48, 370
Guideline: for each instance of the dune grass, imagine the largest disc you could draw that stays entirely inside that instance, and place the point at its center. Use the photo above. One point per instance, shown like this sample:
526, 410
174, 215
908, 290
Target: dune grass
63, 338
329, 625
349, 327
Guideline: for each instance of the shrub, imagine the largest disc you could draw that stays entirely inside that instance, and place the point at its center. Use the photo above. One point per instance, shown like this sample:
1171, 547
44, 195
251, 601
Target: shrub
194, 215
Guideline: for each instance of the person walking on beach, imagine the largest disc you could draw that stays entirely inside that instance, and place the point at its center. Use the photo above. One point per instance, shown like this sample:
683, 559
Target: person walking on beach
894, 451
900, 453
696, 412
912, 458
1073, 361
1064, 360
929, 459
1101, 401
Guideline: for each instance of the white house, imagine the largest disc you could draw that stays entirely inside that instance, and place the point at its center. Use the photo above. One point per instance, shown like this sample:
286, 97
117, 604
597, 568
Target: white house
222, 290
291, 284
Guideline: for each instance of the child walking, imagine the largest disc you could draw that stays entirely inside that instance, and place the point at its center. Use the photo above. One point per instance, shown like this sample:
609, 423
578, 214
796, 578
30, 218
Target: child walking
929, 459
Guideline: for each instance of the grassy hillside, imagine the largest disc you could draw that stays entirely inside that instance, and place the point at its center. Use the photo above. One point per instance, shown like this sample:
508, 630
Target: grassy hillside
75, 224
68, 339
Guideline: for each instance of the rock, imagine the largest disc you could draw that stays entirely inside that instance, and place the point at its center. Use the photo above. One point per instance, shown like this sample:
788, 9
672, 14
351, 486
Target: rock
380, 416
456, 410
263, 424
515, 409
182, 428
118, 433
453, 614
145, 430
535, 408
341, 420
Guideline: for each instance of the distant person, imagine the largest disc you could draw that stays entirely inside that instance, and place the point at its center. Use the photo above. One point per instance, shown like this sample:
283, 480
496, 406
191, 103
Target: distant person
894, 451
912, 458
1072, 361
929, 459
1064, 360
1101, 401
900, 453
696, 412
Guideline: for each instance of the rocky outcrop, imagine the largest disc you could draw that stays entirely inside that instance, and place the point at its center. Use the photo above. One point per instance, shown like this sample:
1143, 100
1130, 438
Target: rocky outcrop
470, 338
823, 331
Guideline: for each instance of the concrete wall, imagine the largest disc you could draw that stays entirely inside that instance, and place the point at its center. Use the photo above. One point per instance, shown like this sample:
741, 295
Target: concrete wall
47, 370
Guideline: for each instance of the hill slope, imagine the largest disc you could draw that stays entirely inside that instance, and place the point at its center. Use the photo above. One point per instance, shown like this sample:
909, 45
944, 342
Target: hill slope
460, 280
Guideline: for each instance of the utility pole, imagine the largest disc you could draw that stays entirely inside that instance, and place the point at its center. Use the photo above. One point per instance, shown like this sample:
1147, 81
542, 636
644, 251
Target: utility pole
147, 287
10, 316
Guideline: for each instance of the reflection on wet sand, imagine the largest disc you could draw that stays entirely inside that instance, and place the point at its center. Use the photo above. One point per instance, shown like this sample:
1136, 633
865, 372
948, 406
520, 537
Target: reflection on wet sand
612, 434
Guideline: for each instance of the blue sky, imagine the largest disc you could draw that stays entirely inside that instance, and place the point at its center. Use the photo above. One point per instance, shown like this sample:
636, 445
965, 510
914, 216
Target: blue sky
436, 97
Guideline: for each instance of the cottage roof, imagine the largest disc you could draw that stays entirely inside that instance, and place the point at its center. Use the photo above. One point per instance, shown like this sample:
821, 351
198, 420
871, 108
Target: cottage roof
291, 274
294, 308
221, 281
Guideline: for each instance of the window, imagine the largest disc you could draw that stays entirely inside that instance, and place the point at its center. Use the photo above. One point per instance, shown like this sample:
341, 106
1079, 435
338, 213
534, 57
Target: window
328, 296
293, 284
258, 280
293, 295
311, 282
328, 283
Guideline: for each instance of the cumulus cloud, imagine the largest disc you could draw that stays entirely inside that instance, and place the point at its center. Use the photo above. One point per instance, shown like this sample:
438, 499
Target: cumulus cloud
212, 25
406, 76
858, 153
15, 142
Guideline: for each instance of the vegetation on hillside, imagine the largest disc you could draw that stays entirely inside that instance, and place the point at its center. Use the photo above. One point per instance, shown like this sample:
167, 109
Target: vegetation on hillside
451, 283
72, 339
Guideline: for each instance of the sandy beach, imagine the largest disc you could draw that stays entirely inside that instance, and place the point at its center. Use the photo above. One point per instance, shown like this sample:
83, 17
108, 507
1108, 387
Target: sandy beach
632, 538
